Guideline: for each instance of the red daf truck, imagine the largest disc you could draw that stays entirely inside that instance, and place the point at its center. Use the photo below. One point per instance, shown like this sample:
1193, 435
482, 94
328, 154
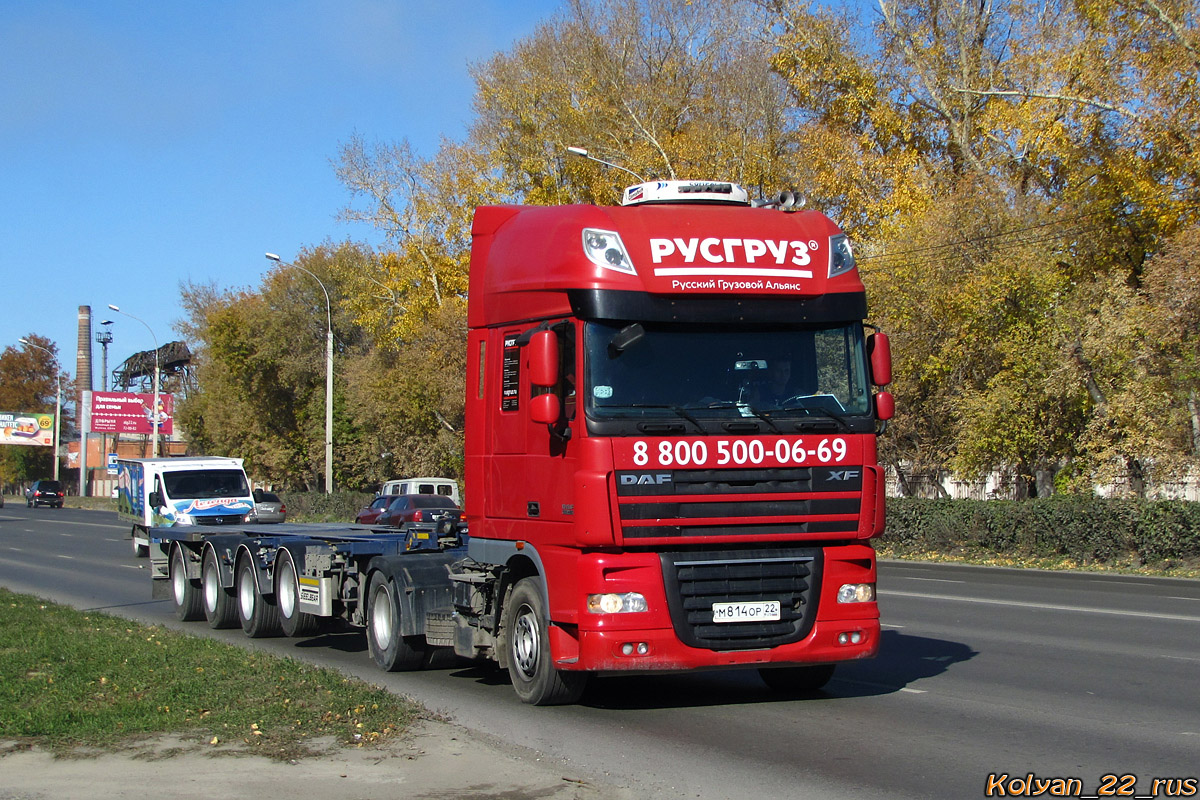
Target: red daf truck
672, 407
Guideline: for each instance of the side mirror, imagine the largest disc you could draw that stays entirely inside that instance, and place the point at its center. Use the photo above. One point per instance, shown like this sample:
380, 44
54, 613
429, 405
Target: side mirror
885, 406
545, 408
881, 358
155, 499
543, 359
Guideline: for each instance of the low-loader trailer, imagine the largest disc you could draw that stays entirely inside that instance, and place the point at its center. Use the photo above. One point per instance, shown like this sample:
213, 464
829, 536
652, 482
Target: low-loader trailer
670, 463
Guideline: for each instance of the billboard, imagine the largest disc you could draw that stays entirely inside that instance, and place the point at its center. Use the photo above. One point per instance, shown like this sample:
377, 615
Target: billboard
127, 412
21, 427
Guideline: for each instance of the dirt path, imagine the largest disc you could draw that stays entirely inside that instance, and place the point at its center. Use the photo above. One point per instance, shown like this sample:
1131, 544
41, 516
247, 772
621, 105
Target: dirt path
435, 760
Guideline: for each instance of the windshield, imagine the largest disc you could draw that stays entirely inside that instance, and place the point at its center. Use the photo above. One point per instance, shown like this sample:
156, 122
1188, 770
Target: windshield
199, 484
649, 370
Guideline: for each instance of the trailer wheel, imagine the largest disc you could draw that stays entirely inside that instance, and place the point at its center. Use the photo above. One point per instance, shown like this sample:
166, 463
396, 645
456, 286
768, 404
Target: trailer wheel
185, 592
259, 616
220, 604
797, 680
139, 550
391, 651
292, 620
534, 677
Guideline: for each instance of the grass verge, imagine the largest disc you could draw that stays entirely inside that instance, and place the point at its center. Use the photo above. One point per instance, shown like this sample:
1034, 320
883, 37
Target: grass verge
71, 679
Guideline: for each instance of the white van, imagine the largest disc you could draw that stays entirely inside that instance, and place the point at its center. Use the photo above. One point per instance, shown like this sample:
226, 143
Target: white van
443, 486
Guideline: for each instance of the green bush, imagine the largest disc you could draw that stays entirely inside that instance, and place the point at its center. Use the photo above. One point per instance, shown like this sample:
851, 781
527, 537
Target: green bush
1087, 530
321, 507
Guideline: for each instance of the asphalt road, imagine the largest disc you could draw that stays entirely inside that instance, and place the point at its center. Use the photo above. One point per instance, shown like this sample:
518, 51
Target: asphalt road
983, 673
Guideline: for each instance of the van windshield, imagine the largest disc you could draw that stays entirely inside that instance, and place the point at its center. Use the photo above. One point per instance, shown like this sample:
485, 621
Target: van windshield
205, 483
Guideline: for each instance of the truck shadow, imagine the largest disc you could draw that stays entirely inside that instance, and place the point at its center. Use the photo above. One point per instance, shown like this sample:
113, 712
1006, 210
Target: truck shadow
903, 660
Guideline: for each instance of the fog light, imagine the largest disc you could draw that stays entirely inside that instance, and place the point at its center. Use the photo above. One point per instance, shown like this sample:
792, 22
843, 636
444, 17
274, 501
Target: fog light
843, 638
855, 637
643, 648
856, 593
626, 603
627, 649
850, 637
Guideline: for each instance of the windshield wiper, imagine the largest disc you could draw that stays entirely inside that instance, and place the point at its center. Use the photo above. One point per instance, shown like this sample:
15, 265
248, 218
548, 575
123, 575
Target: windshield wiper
679, 410
744, 408
840, 419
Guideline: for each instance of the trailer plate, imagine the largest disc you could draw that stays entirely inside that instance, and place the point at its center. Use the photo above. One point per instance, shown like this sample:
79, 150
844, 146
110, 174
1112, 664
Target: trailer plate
766, 611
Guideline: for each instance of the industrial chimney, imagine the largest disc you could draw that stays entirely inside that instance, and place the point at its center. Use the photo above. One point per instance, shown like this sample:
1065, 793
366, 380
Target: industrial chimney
83, 360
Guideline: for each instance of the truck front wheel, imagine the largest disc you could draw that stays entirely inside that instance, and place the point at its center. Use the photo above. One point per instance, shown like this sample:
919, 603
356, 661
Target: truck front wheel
184, 591
391, 651
220, 605
139, 550
258, 615
534, 676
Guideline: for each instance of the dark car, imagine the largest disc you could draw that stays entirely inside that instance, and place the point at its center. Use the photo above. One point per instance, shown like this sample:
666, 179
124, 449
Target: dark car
406, 508
44, 493
268, 507
369, 515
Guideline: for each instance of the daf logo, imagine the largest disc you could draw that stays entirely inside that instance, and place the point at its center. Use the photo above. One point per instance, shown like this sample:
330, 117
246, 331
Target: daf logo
843, 474
219, 520
660, 478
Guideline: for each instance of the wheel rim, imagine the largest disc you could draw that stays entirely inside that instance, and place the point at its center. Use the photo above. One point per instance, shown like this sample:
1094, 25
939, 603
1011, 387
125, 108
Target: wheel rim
382, 618
246, 592
526, 642
287, 590
178, 579
211, 587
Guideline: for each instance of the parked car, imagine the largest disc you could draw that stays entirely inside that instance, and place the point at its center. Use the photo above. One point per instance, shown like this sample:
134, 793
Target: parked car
268, 507
419, 508
44, 493
369, 514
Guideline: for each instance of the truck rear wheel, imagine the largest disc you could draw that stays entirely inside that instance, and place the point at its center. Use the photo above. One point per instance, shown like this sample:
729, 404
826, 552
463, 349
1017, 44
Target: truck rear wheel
287, 595
185, 592
534, 676
391, 651
258, 615
220, 604
797, 680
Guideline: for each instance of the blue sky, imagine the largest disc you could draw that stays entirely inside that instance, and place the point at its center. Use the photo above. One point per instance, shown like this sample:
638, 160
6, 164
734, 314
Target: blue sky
147, 144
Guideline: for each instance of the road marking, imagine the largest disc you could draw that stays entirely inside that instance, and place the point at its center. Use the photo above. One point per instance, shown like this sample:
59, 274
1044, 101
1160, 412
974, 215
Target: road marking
889, 625
934, 580
72, 558
1173, 597
88, 524
874, 685
1044, 606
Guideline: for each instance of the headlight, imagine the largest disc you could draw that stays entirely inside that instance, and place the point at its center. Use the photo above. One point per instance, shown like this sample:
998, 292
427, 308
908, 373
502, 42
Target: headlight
616, 603
856, 593
605, 249
841, 256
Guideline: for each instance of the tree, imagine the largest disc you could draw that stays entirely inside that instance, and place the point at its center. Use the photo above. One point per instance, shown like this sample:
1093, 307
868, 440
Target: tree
261, 371
28, 383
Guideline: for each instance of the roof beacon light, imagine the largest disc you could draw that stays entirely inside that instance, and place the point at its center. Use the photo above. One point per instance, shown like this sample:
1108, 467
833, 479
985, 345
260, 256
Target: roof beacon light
711, 192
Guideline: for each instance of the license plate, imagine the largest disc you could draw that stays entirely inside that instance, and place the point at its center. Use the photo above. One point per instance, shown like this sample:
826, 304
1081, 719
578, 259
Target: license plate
767, 611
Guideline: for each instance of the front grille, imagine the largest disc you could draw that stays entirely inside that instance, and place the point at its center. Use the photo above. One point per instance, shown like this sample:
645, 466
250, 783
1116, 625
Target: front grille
675, 504
221, 519
696, 580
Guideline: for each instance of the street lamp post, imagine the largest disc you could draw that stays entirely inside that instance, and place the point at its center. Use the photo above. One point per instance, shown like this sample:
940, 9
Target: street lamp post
328, 371
104, 338
57, 396
154, 415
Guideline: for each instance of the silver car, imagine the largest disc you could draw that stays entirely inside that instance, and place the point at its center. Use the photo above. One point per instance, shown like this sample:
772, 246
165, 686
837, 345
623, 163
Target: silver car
267, 507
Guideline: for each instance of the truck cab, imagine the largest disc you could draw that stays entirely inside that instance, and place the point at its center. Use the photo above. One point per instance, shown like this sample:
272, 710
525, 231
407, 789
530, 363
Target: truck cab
670, 452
